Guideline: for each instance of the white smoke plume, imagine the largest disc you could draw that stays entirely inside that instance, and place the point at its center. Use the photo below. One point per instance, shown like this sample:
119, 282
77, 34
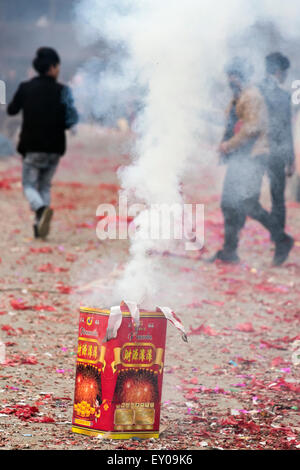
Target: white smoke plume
174, 50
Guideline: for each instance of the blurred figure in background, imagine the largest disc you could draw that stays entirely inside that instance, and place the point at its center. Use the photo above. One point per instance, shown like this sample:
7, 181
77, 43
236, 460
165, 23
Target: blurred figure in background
245, 149
282, 159
48, 110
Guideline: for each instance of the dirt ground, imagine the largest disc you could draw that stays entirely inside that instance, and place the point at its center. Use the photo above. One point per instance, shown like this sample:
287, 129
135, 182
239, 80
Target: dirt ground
234, 385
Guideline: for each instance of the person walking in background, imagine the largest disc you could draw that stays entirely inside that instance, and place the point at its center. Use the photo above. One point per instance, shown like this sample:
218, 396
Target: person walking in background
282, 158
245, 149
48, 110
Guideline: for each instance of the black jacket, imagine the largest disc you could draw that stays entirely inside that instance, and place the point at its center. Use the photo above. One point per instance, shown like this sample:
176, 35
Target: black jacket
48, 110
280, 121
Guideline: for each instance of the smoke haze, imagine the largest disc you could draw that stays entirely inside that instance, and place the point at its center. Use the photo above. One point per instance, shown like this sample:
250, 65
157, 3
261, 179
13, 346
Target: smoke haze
171, 56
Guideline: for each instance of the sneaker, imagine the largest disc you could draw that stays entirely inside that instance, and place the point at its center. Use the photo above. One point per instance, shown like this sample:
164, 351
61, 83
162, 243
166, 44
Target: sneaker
44, 222
226, 257
282, 250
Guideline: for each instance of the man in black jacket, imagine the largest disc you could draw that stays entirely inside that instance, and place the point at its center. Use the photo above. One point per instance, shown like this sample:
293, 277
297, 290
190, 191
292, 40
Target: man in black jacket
48, 110
281, 161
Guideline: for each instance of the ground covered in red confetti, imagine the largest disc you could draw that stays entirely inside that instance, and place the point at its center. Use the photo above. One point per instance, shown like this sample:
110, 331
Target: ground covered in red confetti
235, 385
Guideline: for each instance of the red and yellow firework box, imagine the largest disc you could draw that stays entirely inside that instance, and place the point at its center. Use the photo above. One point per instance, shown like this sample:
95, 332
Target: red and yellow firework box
118, 383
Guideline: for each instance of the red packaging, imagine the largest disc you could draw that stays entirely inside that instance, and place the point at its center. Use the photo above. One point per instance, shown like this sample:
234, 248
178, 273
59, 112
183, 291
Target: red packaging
119, 371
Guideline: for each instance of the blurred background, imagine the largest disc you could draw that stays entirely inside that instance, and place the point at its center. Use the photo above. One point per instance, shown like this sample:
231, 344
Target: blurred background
27, 25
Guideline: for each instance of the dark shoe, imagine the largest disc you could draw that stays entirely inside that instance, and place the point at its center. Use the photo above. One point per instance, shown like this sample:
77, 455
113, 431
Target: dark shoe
44, 222
282, 250
39, 213
35, 231
225, 256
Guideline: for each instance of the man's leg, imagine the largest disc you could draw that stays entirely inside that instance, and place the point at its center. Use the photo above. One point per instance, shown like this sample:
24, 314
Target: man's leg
233, 213
255, 210
283, 242
234, 221
45, 179
30, 177
277, 178
44, 185
252, 205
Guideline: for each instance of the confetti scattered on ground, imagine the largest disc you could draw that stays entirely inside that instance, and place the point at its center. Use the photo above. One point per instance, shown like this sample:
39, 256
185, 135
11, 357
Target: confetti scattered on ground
235, 385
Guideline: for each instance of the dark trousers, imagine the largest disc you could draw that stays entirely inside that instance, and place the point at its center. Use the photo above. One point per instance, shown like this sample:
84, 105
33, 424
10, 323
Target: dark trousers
240, 198
277, 177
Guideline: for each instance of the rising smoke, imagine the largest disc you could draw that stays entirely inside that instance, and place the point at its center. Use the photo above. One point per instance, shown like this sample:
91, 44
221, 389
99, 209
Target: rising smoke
172, 54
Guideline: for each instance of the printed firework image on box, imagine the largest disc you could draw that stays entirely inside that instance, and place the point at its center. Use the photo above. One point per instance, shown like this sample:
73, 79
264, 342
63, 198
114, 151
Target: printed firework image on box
88, 396
118, 381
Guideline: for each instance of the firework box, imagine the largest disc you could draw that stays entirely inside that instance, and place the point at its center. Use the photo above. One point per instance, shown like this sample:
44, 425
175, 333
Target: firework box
119, 371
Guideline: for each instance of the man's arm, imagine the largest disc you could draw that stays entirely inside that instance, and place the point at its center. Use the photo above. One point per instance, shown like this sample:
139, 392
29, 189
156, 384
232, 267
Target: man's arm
71, 114
290, 149
15, 105
227, 133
